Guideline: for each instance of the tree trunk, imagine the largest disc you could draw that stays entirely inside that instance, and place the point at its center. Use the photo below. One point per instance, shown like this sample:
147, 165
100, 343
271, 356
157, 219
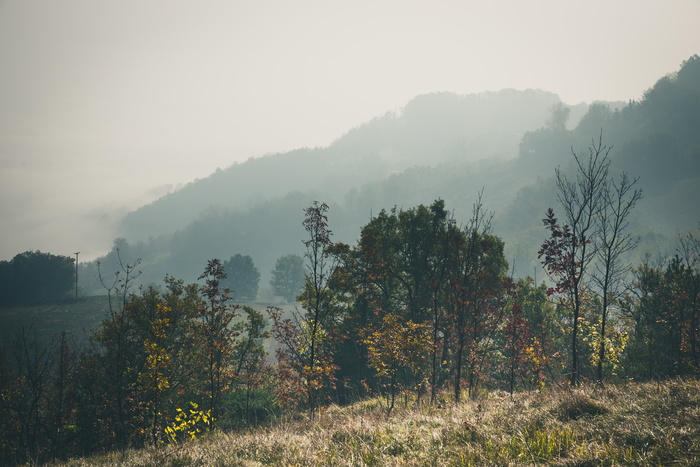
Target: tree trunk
458, 371
574, 343
601, 348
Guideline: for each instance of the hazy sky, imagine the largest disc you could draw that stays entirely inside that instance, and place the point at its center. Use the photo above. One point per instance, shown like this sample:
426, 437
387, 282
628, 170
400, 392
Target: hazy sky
105, 103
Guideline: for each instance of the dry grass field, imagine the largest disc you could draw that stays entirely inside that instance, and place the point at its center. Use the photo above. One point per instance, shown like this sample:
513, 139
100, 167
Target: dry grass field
655, 423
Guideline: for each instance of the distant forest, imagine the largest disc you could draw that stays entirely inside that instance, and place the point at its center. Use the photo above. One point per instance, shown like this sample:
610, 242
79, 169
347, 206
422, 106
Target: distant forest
421, 309
576, 261
440, 146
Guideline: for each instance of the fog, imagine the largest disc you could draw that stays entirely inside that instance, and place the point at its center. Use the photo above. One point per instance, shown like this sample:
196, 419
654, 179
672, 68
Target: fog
105, 106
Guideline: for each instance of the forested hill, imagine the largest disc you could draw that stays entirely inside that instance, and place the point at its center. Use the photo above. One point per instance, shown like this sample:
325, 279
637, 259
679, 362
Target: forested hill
431, 129
656, 138
439, 146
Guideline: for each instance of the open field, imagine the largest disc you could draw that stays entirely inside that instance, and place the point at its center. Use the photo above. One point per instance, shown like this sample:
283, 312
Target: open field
655, 423
76, 317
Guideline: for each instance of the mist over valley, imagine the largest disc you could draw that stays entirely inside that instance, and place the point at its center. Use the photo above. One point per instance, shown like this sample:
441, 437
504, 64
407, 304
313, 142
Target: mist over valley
439, 146
331, 233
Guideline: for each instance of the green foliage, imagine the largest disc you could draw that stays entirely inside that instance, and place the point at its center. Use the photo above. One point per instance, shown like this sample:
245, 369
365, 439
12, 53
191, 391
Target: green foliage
242, 278
34, 277
155, 351
541, 446
214, 334
288, 277
666, 316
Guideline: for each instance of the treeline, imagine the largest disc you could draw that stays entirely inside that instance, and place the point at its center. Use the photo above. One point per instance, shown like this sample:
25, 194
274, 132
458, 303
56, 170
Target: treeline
165, 364
434, 148
422, 308
34, 277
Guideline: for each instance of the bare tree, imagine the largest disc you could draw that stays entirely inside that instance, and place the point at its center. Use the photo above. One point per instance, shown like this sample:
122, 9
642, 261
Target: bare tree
570, 249
113, 335
612, 241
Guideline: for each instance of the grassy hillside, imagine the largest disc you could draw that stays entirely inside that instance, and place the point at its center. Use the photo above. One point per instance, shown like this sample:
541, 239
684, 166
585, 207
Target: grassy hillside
656, 423
76, 317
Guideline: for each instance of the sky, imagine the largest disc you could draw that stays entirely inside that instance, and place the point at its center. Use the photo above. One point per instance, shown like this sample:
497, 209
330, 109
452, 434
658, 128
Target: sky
107, 105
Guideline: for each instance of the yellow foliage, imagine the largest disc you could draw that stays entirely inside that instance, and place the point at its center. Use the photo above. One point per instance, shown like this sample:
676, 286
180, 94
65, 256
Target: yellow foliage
397, 344
187, 424
616, 338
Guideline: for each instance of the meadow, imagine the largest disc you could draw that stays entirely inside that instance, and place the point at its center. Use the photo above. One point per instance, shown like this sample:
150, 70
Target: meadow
650, 423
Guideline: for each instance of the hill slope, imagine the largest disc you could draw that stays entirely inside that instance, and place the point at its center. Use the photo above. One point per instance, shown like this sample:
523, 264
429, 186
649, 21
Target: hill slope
440, 146
431, 129
637, 424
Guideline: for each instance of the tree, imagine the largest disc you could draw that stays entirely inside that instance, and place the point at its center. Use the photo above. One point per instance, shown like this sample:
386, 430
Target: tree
418, 265
38, 398
117, 349
214, 334
34, 277
645, 307
288, 277
541, 357
689, 252
558, 117
400, 266
168, 369
476, 281
249, 360
517, 339
666, 315
242, 277
613, 241
27, 395
305, 354
154, 379
316, 298
570, 249
424, 233
397, 346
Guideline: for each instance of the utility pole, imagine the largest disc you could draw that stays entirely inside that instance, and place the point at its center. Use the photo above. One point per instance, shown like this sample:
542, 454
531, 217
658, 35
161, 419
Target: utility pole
76, 274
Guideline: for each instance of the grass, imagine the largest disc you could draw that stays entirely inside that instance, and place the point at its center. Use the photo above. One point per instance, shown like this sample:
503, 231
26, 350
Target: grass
76, 317
655, 423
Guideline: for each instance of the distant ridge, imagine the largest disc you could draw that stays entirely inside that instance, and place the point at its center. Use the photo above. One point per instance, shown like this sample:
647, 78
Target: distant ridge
431, 129
439, 145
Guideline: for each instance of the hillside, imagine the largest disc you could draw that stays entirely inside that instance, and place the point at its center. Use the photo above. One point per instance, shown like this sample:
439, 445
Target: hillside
77, 318
654, 139
655, 423
439, 146
430, 130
